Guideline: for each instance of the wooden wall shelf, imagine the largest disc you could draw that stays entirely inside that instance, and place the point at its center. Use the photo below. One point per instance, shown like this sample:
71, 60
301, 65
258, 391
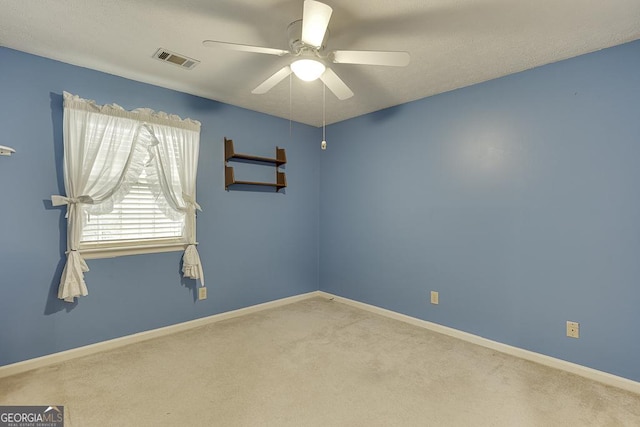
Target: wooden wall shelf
231, 155
229, 179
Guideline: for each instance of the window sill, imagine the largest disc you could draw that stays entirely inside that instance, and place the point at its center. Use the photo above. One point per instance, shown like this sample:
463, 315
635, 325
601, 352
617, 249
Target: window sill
113, 252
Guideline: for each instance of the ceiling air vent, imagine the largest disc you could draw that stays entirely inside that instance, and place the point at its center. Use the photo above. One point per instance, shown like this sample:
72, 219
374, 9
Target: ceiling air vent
174, 58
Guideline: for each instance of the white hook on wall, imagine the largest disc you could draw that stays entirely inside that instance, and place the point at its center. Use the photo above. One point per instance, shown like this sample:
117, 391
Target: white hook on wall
6, 151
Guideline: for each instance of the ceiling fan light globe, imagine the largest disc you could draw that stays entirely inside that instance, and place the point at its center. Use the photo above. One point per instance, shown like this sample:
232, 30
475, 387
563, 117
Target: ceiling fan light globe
307, 69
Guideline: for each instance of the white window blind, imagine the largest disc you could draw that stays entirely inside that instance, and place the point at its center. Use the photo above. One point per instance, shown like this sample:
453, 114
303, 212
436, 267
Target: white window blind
137, 217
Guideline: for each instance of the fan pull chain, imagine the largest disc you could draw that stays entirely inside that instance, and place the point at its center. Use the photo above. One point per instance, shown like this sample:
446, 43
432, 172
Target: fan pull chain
323, 144
290, 109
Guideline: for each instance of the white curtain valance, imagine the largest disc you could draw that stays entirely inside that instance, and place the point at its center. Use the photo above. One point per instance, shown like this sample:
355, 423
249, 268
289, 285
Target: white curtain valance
139, 114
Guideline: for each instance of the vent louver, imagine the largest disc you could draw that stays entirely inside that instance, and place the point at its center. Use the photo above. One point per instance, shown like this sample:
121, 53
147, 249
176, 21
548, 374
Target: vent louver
176, 59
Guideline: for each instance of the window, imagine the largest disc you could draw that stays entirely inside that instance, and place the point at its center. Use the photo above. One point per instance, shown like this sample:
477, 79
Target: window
130, 178
135, 225
137, 217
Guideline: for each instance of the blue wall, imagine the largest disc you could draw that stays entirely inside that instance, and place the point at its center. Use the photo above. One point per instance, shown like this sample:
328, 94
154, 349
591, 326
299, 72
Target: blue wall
255, 246
517, 199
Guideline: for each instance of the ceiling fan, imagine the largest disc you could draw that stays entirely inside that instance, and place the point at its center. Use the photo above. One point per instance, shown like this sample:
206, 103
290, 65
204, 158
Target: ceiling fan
307, 39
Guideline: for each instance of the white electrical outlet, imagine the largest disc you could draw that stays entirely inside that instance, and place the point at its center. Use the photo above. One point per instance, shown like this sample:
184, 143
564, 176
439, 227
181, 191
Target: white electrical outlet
434, 297
573, 329
202, 293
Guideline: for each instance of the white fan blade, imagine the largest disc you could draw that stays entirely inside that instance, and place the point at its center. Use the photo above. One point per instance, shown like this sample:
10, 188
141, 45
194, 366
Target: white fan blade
315, 20
266, 85
336, 85
244, 48
371, 57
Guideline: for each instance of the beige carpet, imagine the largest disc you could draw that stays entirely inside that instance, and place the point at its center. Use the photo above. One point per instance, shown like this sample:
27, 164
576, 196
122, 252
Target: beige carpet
316, 363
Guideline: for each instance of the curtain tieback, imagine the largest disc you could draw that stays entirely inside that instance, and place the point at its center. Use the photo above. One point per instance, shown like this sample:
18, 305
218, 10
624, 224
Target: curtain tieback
71, 202
191, 201
63, 200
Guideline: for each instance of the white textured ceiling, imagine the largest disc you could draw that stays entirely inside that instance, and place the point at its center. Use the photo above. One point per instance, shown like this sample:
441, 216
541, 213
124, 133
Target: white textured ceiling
453, 43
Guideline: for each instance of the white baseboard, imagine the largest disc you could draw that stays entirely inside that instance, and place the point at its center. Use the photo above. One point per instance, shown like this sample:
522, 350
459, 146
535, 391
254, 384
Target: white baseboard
40, 362
583, 371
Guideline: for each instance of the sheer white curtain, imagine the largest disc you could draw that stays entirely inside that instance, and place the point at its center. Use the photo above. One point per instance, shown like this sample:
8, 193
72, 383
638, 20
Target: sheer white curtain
175, 152
105, 148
